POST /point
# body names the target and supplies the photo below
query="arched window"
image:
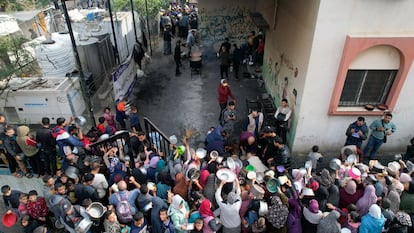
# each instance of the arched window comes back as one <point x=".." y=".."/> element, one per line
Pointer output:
<point x="370" y="77"/>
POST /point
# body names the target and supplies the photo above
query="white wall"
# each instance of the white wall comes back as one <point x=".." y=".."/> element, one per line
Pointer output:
<point x="336" y="19"/>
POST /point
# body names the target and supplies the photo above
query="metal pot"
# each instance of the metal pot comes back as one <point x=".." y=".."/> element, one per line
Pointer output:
<point x="96" y="210"/>
<point x="335" y="164"/>
<point x="72" y="172"/>
<point x="80" y="120"/>
<point x="84" y="226"/>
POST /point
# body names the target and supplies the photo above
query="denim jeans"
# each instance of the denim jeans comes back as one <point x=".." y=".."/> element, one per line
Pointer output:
<point x="373" y="143"/>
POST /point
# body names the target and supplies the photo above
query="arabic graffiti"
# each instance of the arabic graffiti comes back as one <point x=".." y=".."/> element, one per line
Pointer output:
<point x="233" y="22"/>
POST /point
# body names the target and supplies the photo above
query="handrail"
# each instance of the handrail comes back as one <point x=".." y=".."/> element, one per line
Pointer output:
<point x="156" y="136"/>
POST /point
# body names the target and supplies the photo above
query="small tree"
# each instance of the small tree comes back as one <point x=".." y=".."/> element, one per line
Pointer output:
<point x="14" y="59"/>
<point x="139" y="6"/>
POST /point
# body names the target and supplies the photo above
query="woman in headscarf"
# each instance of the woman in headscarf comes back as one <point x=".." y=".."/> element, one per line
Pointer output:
<point x="181" y="186"/>
<point x="349" y="193"/>
<point x="179" y="212"/>
<point x="278" y="212"/>
<point x="326" y="180"/>
<point x="329" y="224"/>
<point x="294" y="224"/>
<point x="203" y="177"/>
<point x="164" y="184"/>
<point x="394" y="196"/>
<point x="373" y="222"/>
<point x="210" y="225"/>
<point x="366" y="200"/>
<point x="311" y="216"/>
<point x="246" y="198"/>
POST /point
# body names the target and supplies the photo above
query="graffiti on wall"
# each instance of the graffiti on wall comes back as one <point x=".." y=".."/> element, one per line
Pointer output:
<point x="233" y="22"/>
<point x="281" y="72"/>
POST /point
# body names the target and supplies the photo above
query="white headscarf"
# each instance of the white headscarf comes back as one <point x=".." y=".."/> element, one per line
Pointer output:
<point x="375" y="211"/>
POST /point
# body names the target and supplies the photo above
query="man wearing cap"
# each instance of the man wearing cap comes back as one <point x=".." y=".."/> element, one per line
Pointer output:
<point x="380" y="130"/>
<point x="230" y="208"/>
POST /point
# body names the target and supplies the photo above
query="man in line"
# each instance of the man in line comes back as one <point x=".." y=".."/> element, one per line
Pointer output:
<point x="380" y="130"/>
<point x="356" y="132"/>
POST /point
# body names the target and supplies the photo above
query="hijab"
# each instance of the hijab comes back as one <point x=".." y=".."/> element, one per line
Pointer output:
<point x="329" y="224"/>
<point x="205" y="208"/>
<point x="181" y="186"/>
<point x="375" y="211"/>
<point x="203" y="177"/>
<point x="294" y="208"/>
<point x="177" y="200"/>
<point x="313" y="206"/>
<point x="366" y="200"/>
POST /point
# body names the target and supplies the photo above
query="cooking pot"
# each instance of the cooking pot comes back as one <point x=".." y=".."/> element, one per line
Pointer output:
<point x="83" y="226"/>
<point x="72" y="172"/>
<point x="193" y="174"/>
<point x="96" y="210"/>
<point x="80" y="120"/>
<point x="335" y="164"/>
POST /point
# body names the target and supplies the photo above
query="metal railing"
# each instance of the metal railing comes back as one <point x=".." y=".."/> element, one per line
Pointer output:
<point x="156" y="136"/>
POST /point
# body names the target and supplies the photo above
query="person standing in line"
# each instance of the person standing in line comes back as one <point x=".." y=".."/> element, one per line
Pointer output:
<point x="167" y="40"/>
<point x="356" y="132"/>
<point x="282" y="116"/>
<point x="224" y="93"/>
<point x="177" y="57"/>
<point x="47" y="147"/>
<point x="380" y="130"/>
<point x="224" y="56"/>
<point x="236" y="59"/>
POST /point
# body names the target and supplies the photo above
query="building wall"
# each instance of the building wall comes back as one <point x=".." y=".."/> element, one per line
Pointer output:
<point x="335" y="20"/>
<point x="221" y="19"/>
<point x="287" y="51"/>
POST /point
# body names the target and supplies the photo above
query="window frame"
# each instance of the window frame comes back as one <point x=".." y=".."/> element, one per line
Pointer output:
<point x="354" y="45"/>
<point x="364" y="76"/>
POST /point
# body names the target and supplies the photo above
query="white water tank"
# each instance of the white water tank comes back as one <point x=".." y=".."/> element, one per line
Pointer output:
<point x="56" y="59"/>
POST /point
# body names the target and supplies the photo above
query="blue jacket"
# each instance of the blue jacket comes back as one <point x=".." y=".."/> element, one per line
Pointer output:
<point x="369" y="224"/>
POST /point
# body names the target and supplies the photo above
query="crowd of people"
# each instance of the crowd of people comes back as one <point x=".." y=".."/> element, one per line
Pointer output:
<point x="116" y="180"/>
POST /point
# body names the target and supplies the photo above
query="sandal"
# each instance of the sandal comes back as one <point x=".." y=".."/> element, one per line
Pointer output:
<point x="17" y="174"/>
<point x="28" y="175"/>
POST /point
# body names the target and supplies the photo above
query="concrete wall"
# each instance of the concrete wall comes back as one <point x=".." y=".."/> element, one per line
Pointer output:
<point x="335" y="20"/>
<point x="221" y="19"/>
<point x="287" y="51"/>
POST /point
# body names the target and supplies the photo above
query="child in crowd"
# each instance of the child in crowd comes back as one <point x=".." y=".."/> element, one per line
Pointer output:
<point x="23" y="198"/>
<point x="36" y="207"/>
<point x="101" y="125"/>
<point x="167" y="224"/>
<point x="315" y="156"/>
<point x="198" y="226"/>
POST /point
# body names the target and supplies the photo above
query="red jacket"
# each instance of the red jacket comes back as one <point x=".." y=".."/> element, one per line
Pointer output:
<point x="224" y="93"/>
<point x="37" y="208"/>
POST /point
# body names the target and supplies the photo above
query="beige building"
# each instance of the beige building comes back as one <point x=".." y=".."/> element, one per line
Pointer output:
<point x="329" y="58"/>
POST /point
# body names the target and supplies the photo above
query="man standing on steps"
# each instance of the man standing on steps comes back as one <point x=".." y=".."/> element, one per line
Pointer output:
<point x="380" y="130"/>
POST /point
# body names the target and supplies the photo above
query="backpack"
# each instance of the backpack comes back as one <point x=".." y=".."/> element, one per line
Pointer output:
<point x="123" y="209"/>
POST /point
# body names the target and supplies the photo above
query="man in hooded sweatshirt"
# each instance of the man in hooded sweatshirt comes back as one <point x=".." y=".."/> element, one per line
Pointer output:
<point x="29" y="147"/>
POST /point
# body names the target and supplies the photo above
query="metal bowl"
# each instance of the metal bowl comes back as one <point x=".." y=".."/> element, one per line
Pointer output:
<point x="335" y="164"/>
<point x="72" y="172"/>
<point x="80" y="120"/>
<point x="96" y="210"/>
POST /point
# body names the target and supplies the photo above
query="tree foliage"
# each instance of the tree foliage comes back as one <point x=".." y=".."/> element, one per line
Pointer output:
<point x="14" y="59"/>
<point x="22" y="5"/>
<point x="139" y="6"/>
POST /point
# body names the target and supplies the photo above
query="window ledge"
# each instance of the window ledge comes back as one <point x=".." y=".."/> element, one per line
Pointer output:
<point x="356" y="111"/>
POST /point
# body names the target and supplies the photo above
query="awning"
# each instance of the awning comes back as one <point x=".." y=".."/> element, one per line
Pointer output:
<point x="25" y="15"/>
